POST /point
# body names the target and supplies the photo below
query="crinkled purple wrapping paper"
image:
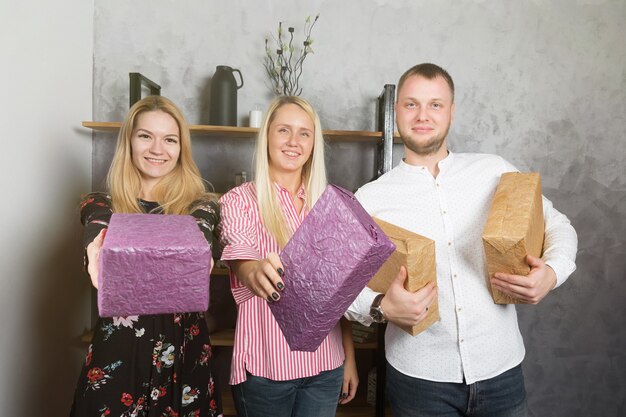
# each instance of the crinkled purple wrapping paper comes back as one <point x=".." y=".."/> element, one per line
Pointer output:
<point x="328" y="261"/>
<point x="153" y="264"/>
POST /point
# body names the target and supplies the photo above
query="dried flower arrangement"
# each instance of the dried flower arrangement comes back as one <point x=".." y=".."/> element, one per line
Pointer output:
<point x="284" y="64"/>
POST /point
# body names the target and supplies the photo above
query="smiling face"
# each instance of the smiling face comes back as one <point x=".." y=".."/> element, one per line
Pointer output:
<point x="155" y="147"/>
<point x="423" y="115"/>
<point x="291" y="136"/>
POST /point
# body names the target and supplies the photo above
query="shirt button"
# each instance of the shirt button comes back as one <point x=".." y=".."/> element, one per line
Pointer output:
<point x="458" y="309"/>
<point x="449" y="243"/>
<point x="462" y="340"/>
<point x="454" y="275"/>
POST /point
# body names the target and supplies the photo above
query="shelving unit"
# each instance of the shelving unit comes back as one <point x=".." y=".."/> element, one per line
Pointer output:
<point x="220" y="271"/>
<point x="384" y="139"/>
<point x="250" y="132"/>
<point x="226" y="337"/>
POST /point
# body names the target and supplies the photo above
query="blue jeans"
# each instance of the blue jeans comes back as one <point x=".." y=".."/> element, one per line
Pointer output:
<point x="315" y="396"/>
<point x="500" y="396"/>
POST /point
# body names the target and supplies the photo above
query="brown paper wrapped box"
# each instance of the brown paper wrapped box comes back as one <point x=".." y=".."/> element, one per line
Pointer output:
<point x="514" y="228"/>
<point x="417" y="254"/>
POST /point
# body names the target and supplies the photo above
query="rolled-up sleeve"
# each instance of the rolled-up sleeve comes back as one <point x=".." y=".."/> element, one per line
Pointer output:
<point x="360" y="307"/>
<point x="238" y="237"/>
<point x="207" y="217"/>
<point x="95" y="213"/>
<point x="560" y="242"/>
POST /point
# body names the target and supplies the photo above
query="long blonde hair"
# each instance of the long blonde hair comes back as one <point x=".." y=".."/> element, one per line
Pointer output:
<point x="313" y="171"/>
<point x="175" y="191"/>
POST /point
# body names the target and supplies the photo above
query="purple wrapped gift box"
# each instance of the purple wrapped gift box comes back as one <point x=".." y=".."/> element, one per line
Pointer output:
<point x="328" y="261"/>
<point x="153" y="264"/>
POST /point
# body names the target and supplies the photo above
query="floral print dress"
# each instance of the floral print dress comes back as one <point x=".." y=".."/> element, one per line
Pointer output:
<point x="152" y="365"/>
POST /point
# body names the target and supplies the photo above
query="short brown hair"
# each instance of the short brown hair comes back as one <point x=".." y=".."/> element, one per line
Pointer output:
<point x="428" y="71"/>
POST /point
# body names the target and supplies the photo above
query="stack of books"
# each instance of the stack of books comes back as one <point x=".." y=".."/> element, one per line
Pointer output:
<point x="363" y="334"/>
<point x="371" y="386"/>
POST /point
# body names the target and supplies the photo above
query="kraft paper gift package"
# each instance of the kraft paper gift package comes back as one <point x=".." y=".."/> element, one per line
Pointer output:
<point x="514" y="228"/>
<point x="328" y="261"/>
<point x="417" y="254"/>
<point x="153" y="264"/>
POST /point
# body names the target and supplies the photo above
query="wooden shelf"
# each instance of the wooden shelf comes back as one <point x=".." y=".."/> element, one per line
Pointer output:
<point x="369" y="345"/>
<point x="226" y="337"/>
<point x="223" y="337"/>
<point x="250" y="132"/>
<point x="219" y="338"/>
<point x="86" y="336"/>
<point x="220" y="272"/>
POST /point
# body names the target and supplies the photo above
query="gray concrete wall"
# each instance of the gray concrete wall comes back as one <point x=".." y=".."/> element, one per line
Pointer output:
<point x="540" y="82"/>
<point x="46" y="84"/>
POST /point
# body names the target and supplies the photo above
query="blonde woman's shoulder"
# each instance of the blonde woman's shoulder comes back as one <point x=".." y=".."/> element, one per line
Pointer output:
<point x="245" y="191"/>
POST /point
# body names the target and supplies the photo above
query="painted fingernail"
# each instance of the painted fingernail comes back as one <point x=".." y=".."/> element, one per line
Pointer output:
<point x="280" y="286"/>
<point x="275" y="296"/>
<point x="344" y="395"/>
<point x="269" y="299"/>
<point x="280" y="272"/>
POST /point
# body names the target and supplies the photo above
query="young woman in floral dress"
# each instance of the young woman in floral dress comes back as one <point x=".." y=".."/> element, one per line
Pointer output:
<point x="151" y="365"/>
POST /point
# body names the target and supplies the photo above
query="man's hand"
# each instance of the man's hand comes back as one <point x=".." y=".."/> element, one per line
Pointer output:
<point x="405" y="308"/>
<point x="263" y="278"/>
<point x="530" y="289"/>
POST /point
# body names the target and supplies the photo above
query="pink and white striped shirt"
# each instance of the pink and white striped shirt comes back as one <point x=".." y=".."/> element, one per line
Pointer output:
<point x="260" y="347"/>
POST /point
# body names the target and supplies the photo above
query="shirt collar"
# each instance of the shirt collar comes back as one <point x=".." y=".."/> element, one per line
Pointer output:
<point x="301" y="193"/>
<point x="444" y="165"/>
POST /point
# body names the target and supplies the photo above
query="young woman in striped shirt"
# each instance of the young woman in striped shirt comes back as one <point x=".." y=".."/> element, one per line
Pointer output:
<point x="258" y="218"/>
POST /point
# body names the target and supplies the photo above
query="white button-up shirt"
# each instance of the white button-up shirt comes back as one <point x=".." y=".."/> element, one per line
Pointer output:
<point x="475" y="338"/>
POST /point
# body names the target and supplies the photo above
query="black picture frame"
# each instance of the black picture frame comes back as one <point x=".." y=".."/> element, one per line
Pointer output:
<point x="137" y="81"/>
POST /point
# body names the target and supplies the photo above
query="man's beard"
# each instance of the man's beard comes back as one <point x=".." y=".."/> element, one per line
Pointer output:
<point x="431" y="147"/>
